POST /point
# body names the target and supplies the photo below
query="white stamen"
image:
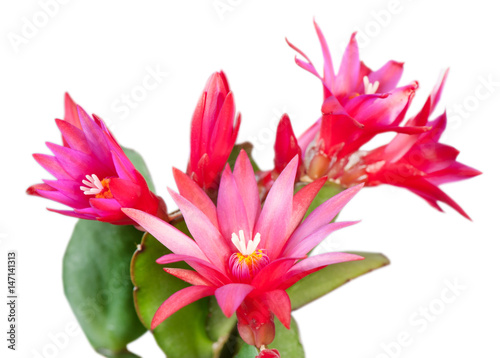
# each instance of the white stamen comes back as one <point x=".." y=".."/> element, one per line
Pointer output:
<point x="93" y="185"/>
<point x="242" y="246"/>
<point x="370" y="88"/>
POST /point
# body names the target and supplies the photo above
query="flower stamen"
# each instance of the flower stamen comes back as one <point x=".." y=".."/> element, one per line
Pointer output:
<point x="94" y="186"/>
<point x="370" y="88"/>
<point x="248" y="261"/>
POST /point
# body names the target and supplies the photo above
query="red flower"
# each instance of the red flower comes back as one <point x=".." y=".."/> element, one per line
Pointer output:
<point x="213" y="133"/>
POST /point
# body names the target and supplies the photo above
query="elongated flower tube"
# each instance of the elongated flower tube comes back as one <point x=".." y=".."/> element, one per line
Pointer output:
<point x="93" y="174"/>
<point x="213" y="133"/>
<point x="244" y="254"/>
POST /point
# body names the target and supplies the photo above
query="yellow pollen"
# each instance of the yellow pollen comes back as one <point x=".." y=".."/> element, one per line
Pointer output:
<point x="105" y="192"/>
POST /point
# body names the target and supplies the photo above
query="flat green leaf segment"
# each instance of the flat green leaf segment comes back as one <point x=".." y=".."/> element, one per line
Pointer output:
<point x="96" y="277"/>
<point x="328" y="279"/>
<point x="183" y="334"/>
<point x="287" y="342"/>
<point x="140" y="165"/>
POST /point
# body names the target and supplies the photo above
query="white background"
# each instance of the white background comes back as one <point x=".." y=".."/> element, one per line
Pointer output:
<point x="99" y="51"/>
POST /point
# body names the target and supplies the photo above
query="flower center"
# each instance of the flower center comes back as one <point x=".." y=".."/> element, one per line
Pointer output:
<point x="248" y="261"/>
<point x="94" y="186"/>
<point x="370" y="88"/>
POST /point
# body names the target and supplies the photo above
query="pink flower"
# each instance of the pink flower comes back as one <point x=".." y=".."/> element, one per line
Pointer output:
<point x="417" y="162"/>
<point x="358" y="105"/>
<point x="93" y="174"/>
<point x="213" y="133"/>
<point x="244" y="254"/>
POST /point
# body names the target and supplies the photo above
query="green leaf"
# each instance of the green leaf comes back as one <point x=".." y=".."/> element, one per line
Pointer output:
<point x="140" y="165"/>
<point x="247" y="351"/>
<point x="96" y="277"/>
<point x="328" y="190"/>
<point x="247" y="147"/>
<point x="218" y="326"/>
<point x="286" y="341"/>
<point x="331" y="277"/>
<point x="183" y="334"/>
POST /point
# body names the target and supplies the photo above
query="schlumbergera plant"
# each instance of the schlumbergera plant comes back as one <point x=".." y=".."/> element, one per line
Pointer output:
<point x="220" y="276"/>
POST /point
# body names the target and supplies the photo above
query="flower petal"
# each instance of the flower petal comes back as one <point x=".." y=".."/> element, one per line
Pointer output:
<point x="206" y="235"/>
<point x="179" y="300"/>
<point x="279" y="303"/>
<point x="322" y="215"/>
<point x="172" y="238"/>
<point x="192" y="192"/>
<point x="244" y="177"/>
<point x="231" y="296"/>
<point x="277" y="211"/>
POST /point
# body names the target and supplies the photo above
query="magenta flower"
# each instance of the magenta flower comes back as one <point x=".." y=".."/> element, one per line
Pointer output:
<point x="213" y="133"/>
<point x="417" y="162"/>
<point x="245" y="255"/>
<point x="358" y="105"/>
<point x="93" y="174"/>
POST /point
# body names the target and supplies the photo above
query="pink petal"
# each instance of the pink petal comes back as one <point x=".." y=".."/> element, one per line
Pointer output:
<point x="189" y="276"/>
<point x="277" y="211"/>
<point x="272" y="275"/>
<point x="77" y="164"/>
<point x="301" y="202"/>
<point x="179" y="300"/>
<point x="231" y="210"/>
<point x="204" y="233"/>
<point x="313" y="263"/>
<point x="203" y="267"/>
<point x="310" y="242"/>
<point x="192" y="192"/>
<point x="95" y="138"/>
<point x="50" y="164"/>
<point x="388" y="76"/>
<point x="329" y="74"/>
<point x="125" y="192"/>
<point x="348" y="75"/>
<point x="172" y="238"/>
<point x="73" y="214"/>
<point x="244" y="178"/>
<point x="71" y="112"/>
<point x="73" y="136"/>
<point x="231" y="296"/>
<point x="322" y="215"/>
<point x="279" y="303"/>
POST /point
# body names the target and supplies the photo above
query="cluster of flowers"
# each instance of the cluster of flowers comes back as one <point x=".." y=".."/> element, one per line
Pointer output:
<point x="250" y="237"/>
